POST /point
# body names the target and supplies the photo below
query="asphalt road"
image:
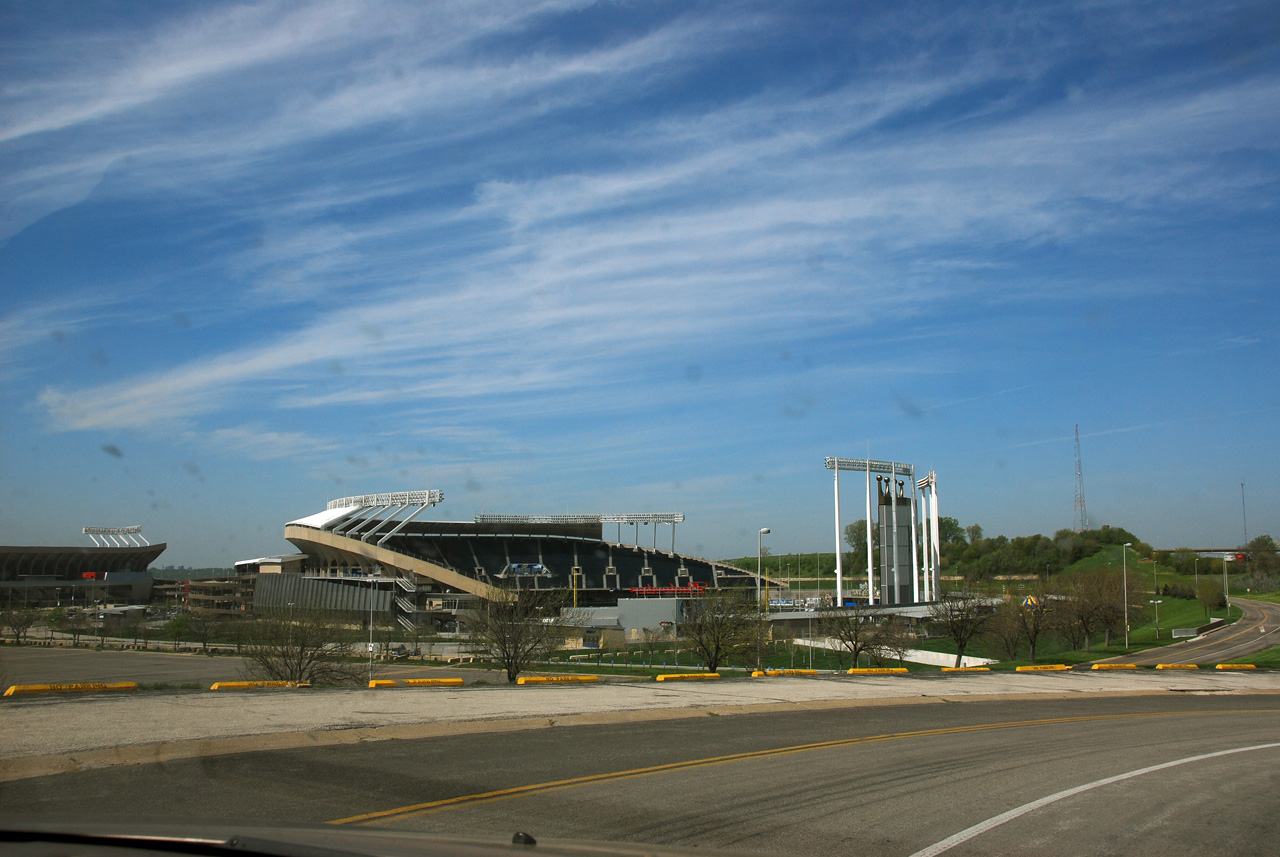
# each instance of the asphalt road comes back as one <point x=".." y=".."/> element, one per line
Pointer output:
<point x="1258" y="629"/>
<point x="888" y="780"/>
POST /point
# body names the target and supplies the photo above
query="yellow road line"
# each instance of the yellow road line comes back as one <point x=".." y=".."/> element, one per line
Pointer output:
<point x="573" y="782"/>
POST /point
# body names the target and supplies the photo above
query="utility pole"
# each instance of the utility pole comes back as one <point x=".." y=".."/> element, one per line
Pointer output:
<point x="1082" y="517"/>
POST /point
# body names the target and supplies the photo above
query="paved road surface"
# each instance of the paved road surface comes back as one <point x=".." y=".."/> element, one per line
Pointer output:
<point x="887" y="780"/>
<point x="1257" y="630"/>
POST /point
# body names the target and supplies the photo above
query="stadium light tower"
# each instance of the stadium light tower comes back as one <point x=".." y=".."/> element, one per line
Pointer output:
<point x="759" y="556"/>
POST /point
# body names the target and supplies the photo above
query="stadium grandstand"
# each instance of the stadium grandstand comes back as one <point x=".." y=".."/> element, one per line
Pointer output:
<point x="114" y="570"/>
<point x="374" y="552"/>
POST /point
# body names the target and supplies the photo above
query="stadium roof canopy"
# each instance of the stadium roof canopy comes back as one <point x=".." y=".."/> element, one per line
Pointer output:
<point x="73" y="563"/>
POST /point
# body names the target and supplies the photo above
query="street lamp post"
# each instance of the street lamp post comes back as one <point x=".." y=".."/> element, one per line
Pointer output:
<point x="1155" y="581"/>
<point x="759" y="562"/>
<point x="1195" y="566"/>
<point x="1124" y="555"/>
<point x="372" y="579"/>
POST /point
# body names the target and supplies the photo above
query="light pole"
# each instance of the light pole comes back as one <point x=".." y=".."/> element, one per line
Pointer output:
<point x="759" y="562"/>
<point x="1226" y="592"/>
<point x="1155" y="581"/>
<point x="372" y="579"/>
<point x="1124" y="558"/>
<point x="1195" y="566"/>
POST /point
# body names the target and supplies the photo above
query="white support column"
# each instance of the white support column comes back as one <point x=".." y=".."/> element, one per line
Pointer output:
<point x="926" y="512"/>
<point x="839" y="566"/>
<point x="921" y="514"/>
<point x="404" y="523"/>
<point x="893" y="505"/>
<point x="915" y="544"/>
<point x="937" y="542"/>
<point x="871" y="569"/>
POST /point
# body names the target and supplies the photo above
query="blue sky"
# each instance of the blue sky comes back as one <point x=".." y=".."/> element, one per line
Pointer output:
<point x="613" y="257"/>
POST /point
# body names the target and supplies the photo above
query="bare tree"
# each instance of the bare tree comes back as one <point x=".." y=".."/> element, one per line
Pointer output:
<point x="961" y="616"/>
<point x="724" y="623"/>
<point x="521" y="631"/>
<point x="76" y="624"/>
<point x="895" y="639"/>
<point x="650" y="640"/>
<point x="1005" y="630"/>
<point x="19" y="622"/>
<point x="855" y="630"/>
<point x="302" y="646"/>
<point x="204" y="627"/>
<point x="1094" y="602"/>
<point x="1034" y="615"/>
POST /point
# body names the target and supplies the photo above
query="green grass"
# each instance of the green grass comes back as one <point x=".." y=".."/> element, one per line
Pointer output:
<point x="1270" y="659"/>
<point x="1269" y="597"/>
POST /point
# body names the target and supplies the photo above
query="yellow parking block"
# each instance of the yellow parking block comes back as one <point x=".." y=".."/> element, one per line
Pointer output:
<point x="1177" y="666"/>
<point x="76" y="687"/>
<point x="684" y="676"/>
<point x="1042" y="668"/>
<point x="790" y="672"/>
<point x="966" y="669"/>
<point x="877" y="671"/>
<point x="1114" y="667"/>
<point x="558" y="679"/>
<point x="382" y="682"/>
<point x="1236" y="667"/>
<point x="247" y="685"/>
<point x="433" y="682"/>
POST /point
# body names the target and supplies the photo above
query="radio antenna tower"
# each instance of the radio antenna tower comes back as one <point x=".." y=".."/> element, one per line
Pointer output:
<point x="1082" y="517"/>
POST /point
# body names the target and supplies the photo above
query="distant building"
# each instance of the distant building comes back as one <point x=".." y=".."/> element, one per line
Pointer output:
<point x="372" y="553"/>
<point x="113" y="572"/>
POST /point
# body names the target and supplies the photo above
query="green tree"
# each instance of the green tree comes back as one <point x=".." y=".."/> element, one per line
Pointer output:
<point x="949" y="531"/>
<point x="1209" y="593"/>
<point x="855" y="536"/>
<point x="177" y="627"/>
<point x="55" y="619"/>
<point x="974" y="532"/>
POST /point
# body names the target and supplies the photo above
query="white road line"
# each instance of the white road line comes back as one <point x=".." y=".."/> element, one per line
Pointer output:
<point x="997" y="820"/>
